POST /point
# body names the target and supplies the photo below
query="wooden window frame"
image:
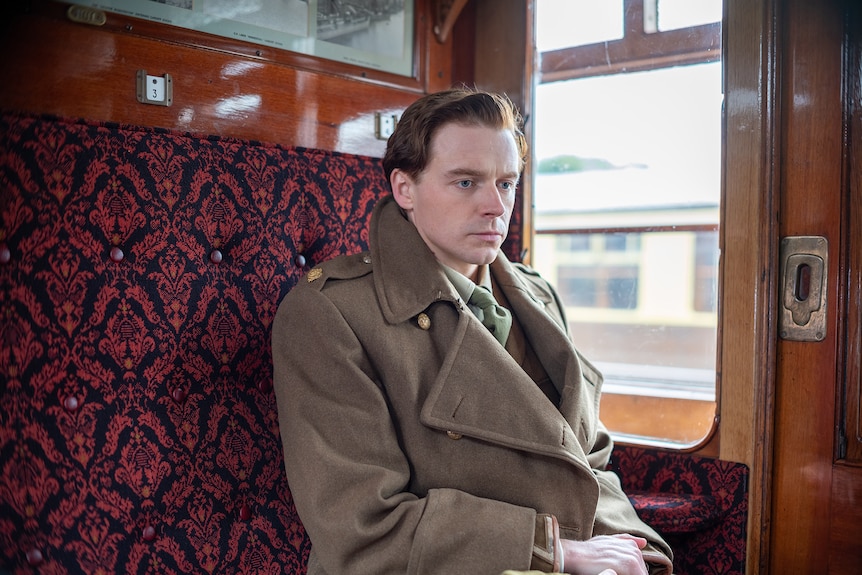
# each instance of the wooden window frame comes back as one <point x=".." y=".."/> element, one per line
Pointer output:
<point x="636" y="51"/>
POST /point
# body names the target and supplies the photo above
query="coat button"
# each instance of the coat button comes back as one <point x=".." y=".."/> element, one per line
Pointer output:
<point x="424" y="321"/>
<point x="454" y="435"/>
<point x="366" y="259"/>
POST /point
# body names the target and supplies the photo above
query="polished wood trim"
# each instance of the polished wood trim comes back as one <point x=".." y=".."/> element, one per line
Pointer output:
<point x="634" y="53"/>
<point x="850" y="399"/>
<point x="845" y="552"/>
<point x="217" y="91"/>
<point x="811" y="184"/>
<point x="687" y="423"/>
<point x="749" y="247"/>
<point x="637" y="50"/>
<point x="633" y="229"/>
<point x="445" y="14"/>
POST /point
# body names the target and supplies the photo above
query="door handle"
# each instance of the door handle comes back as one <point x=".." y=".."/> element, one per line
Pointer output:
<point x="804" y="262"/>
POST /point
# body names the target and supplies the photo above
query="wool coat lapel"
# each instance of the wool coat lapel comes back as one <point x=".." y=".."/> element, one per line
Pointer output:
<point x="579" y="404"/>
<point x="479" y="390"/>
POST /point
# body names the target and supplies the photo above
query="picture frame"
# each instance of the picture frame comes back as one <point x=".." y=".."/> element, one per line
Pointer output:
<point x="374" y="34"/>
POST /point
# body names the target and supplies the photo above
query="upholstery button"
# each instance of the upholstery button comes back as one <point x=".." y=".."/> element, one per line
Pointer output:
<point x="245" y="512"/>
<point x="454" y="435"/>
<point x="5" y="254"/>
<point x="299" y="260"/>
<point x="34" y="557"/>
<point x="149" y="533"/>
<point x="117" y="254"/>
<point x="179" y="394"/>
<point x="71" y="403"/>
<point x="215" y="256"/>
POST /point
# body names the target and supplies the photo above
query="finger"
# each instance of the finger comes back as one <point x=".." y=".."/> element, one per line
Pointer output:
<point x="639" y="541"/>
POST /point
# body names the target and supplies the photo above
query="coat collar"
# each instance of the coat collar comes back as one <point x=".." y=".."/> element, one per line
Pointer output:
<point x="466" y="395"/>
<point x="407" y="277"/>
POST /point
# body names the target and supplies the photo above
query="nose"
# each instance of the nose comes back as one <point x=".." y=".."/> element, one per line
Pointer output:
<point x="491" y="201"/>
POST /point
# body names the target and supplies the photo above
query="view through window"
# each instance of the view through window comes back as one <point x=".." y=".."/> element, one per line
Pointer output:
<point x="627" y="157"/>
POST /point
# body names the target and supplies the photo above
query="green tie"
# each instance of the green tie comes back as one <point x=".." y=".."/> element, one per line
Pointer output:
<point x="495" y="317"/>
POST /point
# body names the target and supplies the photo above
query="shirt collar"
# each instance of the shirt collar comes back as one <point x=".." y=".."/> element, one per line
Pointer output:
<point x="464" y="285"/>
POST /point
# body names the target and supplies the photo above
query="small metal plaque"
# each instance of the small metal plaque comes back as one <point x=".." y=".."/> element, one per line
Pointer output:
<point x="802" y="302"/>
<point x="86" y="15"/>
<point x="155" y="89"/>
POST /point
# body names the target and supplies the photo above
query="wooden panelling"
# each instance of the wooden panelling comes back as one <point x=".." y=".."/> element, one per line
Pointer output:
<point x="748" y="241"/>
<point x="682" y="421"/>
<point x="845" y="552"/>
<point x="811" y="183"/>
<point x="52" y="65"/>
<point x="852" y="393"/>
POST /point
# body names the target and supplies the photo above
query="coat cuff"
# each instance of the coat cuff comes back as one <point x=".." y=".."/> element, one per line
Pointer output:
<point x="547" y="546"/>
<point x="656" y="561"/>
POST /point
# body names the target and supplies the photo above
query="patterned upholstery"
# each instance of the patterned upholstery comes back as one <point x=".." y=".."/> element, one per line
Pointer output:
<point x="140" y="270"/>
<point x="699" y="505"/>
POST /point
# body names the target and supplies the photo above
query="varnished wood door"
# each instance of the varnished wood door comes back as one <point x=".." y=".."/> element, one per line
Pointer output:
<point x="816" y="496"/>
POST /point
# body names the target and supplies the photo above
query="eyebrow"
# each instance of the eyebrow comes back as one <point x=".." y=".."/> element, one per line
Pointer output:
<point x="468" y="172"/>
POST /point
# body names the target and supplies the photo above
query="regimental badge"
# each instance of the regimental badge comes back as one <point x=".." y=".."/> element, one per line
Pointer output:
<point x="314" y="274"/>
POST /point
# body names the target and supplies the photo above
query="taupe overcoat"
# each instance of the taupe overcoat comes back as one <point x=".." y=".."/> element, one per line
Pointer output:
<point x="413" y="442"/>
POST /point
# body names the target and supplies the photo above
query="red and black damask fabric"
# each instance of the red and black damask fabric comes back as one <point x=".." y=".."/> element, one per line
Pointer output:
<point x="140" y="270"/>
<point x="699" y="505"/>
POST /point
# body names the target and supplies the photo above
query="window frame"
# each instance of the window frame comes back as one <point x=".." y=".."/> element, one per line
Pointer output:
<point x="639" y="49"/>
<point x="643" y="47"/>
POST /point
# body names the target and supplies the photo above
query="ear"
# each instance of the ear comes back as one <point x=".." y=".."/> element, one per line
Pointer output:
<point x="402" y="189"/>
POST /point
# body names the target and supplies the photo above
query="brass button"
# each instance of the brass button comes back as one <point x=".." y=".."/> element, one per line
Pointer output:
<point x="424" y="321"/>
<point x="454" y="435"/>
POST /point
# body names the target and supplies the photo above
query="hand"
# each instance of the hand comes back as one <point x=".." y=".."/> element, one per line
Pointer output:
<point x="605" y="555"/>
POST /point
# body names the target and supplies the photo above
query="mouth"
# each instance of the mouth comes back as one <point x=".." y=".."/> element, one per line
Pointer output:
<point x="488" y="236"/>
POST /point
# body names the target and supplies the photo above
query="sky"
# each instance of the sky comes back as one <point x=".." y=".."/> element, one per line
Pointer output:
<point x="662" y="128"/>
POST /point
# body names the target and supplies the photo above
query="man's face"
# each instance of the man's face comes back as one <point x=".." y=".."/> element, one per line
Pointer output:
<point x="461" y="203"/>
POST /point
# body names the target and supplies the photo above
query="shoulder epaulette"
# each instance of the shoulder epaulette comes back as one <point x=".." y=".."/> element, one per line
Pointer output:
<point x="339" y="268"/>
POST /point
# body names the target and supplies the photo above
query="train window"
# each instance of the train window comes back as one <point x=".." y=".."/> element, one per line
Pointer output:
<point x="587" y="21"/>
<point x="627" y="148"/>
<point x="675" y="14"/>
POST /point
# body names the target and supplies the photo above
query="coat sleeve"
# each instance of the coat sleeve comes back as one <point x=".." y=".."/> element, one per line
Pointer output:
<point x="615" y="513"/>
<point x="349" y="476"/>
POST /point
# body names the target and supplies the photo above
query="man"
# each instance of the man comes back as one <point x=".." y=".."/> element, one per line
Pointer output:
<point x="415" y="439"/>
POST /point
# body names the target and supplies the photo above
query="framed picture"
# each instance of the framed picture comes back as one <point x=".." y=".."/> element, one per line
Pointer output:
<point x="375" y="34"/>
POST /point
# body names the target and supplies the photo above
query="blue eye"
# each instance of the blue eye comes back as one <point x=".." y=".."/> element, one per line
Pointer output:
<point x="465" y="184"/>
